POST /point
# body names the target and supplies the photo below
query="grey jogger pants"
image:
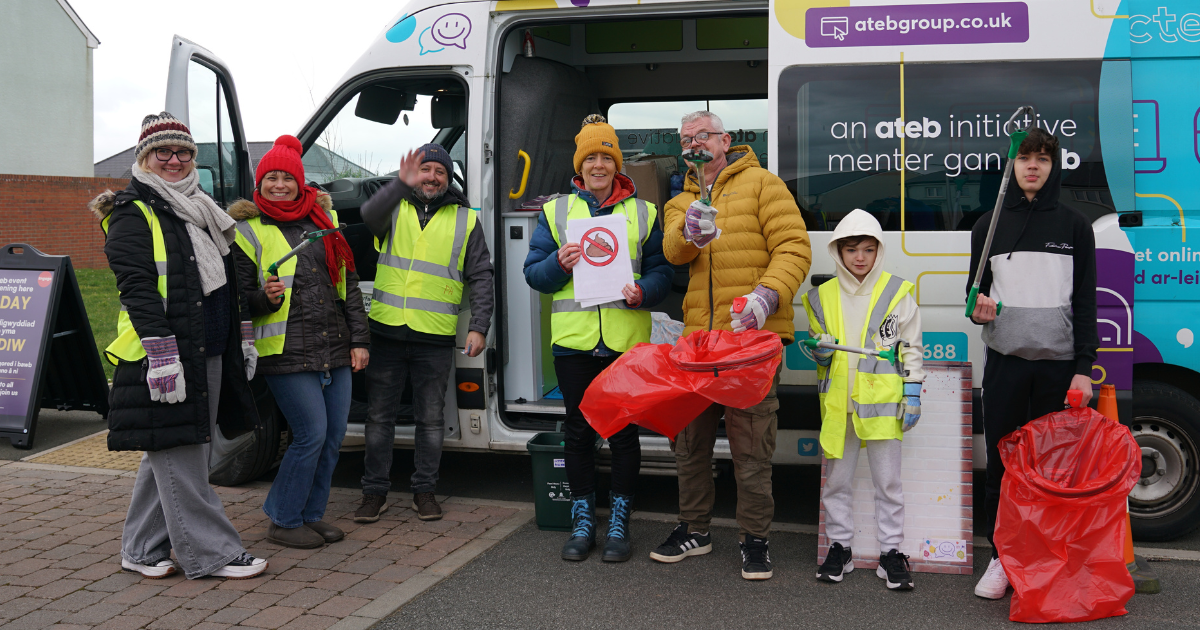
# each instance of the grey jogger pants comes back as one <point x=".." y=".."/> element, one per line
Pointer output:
<point x="838" y="493"/>
<point x="174" y="507"/>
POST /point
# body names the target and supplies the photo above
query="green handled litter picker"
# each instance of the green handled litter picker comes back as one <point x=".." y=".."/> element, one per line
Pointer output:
<point x="891" y="355"/>
<point x="699" y="158"/>
<point x="1015" y="140"/>
<point x="309" y="239"/>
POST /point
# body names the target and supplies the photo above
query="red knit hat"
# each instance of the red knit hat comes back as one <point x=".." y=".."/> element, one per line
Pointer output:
<point x="284" y="156"/>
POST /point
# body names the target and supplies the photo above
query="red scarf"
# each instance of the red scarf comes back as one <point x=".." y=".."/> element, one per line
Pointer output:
<point x="337" y="250"/>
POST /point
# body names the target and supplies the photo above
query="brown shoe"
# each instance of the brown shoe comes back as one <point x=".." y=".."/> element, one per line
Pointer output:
<point x="372" y="506"/>
<point x="330" y="533"/>
<point x="294" y="537"/>
<point x="426" y="506"/>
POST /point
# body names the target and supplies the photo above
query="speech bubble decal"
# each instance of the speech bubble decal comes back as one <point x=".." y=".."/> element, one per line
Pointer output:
<point x="452" y="29"/>
<point x="402" y="29"/>
<point x="1185" y="337"/>
<point x="427" y="43"/>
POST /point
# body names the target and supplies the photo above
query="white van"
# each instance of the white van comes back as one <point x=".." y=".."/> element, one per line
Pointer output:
<point x="894" y="109"/>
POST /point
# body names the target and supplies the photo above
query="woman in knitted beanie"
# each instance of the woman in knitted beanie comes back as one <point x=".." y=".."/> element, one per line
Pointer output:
<point x="182" y="352"/>
<point x="311" y="331"/>
<point x="587" y="340"/>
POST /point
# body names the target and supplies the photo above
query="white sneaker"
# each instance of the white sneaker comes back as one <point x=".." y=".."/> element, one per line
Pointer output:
<point x="161" y="569"/>
<point x="242" y="567"/>
<point x="994" y="583"/>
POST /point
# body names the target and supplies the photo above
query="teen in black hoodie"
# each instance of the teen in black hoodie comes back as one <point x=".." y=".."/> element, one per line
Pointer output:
<point x="1042" y="269"/>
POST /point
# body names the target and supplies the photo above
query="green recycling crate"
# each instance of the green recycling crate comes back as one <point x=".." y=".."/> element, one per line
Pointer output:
<point x="551" y="492"/>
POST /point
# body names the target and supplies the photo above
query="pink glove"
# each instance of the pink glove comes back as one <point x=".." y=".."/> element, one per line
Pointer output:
<point x="760" y="304"/>
<point x="165" y="376"/>
<point x="699" y="224"/>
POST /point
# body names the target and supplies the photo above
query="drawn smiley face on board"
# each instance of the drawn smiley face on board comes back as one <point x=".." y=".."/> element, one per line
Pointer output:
<point x="452" y="29"/>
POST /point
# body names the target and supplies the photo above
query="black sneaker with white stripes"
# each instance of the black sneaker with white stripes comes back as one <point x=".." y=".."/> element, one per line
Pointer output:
<point x="838" y="562"/>
<point x="756" y="559"/>
<point x="893" y="567"/>
<point x="680" y="544"/>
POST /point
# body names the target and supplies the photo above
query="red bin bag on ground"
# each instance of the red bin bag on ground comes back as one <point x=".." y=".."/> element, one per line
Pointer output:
<point x="1060" y="530"/>
<point x="663" y="387"/>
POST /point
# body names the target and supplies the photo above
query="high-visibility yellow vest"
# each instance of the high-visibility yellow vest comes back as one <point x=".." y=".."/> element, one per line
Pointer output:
<point x="128" y="345"/>
<point x="578" y="328"/>
<point x="878" y="386"/>
<point x="265" y="244"/>
<point x="419" y="276"/>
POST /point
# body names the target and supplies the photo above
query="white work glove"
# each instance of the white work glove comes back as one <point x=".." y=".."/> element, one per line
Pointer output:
<point x="699" y="224"/>
<point x="249" y="352"/>
<point x="165" y="376"/>
<point x="824" y="356"/>
<point x="910" y="406"/>
<point x="759" y="304"/>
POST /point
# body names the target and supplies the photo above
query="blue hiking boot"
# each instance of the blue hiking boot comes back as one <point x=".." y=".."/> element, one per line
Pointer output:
<point x="583" y="528"/>
<point x="617" y="549"/>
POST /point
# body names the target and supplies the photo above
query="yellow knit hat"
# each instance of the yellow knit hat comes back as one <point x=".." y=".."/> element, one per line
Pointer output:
<point x="597" y="136"/>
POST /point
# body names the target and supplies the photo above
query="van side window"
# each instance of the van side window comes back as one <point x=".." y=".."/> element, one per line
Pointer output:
<point x="841" y="134"/>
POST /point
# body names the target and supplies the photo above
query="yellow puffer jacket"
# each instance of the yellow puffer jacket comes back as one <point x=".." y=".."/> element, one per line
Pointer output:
<point x="763" y="241"/>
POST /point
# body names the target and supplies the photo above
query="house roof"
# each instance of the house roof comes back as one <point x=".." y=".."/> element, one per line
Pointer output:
<point x="92" y="41"/>
<point x="320" y="164"/>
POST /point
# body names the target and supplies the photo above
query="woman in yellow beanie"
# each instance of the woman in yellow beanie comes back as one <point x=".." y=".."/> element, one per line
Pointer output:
<point x="588" y="340"/>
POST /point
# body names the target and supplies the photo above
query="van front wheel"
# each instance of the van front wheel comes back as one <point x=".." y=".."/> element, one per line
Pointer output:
<point x="262" y="452"/>
<point x="1165" y="503"/>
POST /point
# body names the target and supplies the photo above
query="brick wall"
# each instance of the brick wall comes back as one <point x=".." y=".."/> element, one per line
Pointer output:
<point x="51" y="214"/>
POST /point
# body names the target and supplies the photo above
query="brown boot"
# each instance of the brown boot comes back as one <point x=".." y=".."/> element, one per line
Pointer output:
<point x="330" y="533"/>
<point x="295" y="537"/>
<point x="426" y="506"/>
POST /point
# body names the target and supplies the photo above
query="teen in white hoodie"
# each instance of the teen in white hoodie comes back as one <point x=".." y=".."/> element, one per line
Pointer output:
<point x="873" y="309"/>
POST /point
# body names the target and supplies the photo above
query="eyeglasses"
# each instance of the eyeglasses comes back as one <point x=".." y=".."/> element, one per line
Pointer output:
<point x="184" y="155"/>
<point x="703" y="136"/>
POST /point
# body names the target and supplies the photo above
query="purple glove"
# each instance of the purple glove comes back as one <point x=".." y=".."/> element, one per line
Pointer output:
<point x="760" y="304"/>
<point x="699" y="224"/>
<point x="165" y="376"/>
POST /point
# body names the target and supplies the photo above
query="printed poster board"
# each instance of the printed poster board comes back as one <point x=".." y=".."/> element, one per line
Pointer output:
<point x="48" y="356"/>
<point x="936" y="472"/>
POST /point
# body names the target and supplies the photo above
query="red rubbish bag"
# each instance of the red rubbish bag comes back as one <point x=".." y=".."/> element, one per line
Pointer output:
<point x="1060" y="530"/>
<point x="663" y="387"/>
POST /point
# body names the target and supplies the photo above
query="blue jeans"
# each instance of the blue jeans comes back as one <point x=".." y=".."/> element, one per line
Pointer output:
<point x="316" y="411"/>
<point x="428" y="367"/>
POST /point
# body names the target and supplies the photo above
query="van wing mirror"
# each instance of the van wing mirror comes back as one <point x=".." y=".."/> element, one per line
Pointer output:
<point x="448" y="111"/>
<point x="382" y="104"/>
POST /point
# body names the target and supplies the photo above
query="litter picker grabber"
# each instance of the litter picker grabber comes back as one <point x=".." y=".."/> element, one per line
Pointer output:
<point x="699" y="158"/>
<point x="1015" y="140"/>
<point x="309" y="239"/>
<point x="891" y="355"/>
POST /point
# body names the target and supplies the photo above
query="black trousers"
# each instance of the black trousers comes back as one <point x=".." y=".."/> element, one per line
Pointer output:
<point x="575" y="372"/>
<point x="1015" y="391"/>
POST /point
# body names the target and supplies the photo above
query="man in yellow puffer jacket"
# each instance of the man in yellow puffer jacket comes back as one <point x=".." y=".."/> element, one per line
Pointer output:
<point x="751" y="242"/>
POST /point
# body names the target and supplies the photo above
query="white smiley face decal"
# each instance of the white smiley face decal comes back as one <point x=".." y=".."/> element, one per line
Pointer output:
<point x="452" y="29"/>
<point x="449" y="29"/>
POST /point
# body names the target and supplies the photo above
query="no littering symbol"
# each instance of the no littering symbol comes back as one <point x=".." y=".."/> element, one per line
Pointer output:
<point x="597" y="250"/>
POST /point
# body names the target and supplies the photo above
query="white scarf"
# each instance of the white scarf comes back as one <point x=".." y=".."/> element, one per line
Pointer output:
<point x="210" y="228"/>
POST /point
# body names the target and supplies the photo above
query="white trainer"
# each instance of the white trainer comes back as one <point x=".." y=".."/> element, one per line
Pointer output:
<point x="160" y="569"/>
<point x="242" y="567"/>
<point x="994" y="583"/>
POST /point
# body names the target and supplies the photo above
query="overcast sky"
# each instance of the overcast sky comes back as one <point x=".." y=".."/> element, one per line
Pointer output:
<point x="284" y="55"/>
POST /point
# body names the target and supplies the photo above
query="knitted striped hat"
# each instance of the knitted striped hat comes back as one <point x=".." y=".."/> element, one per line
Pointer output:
<point x="162" y="130"/>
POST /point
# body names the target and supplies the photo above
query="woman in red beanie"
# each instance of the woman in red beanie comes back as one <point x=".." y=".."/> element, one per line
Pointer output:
<point x="310" y="330"/>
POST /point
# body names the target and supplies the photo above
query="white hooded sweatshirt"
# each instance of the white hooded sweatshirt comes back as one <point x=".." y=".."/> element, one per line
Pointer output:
<point x="856" y="300"/>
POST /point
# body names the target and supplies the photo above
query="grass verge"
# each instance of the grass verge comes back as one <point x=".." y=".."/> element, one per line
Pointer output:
<point x="100" y="298"/>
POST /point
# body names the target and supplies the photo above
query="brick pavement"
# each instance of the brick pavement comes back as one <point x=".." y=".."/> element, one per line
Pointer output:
<point x="60" y="539"/>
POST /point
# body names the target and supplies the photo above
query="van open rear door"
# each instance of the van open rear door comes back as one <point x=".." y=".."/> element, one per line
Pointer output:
<point x="200" y="93"/>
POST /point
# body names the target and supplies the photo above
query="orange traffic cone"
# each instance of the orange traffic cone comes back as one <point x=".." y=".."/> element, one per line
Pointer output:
<point x="1144" y="580"/>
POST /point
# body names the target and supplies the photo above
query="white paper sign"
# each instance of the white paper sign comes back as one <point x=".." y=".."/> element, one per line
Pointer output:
<point x="604" y="266"/>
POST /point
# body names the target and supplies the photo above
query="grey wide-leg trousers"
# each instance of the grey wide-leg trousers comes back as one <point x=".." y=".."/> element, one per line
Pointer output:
<point x="174" y="507"/>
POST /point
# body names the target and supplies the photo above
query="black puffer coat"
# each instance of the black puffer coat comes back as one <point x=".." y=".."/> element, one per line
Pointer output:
<point x="135" y="422"/>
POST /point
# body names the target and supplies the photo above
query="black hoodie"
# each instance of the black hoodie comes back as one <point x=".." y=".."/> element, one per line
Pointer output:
<point x="1042" y="269"/>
